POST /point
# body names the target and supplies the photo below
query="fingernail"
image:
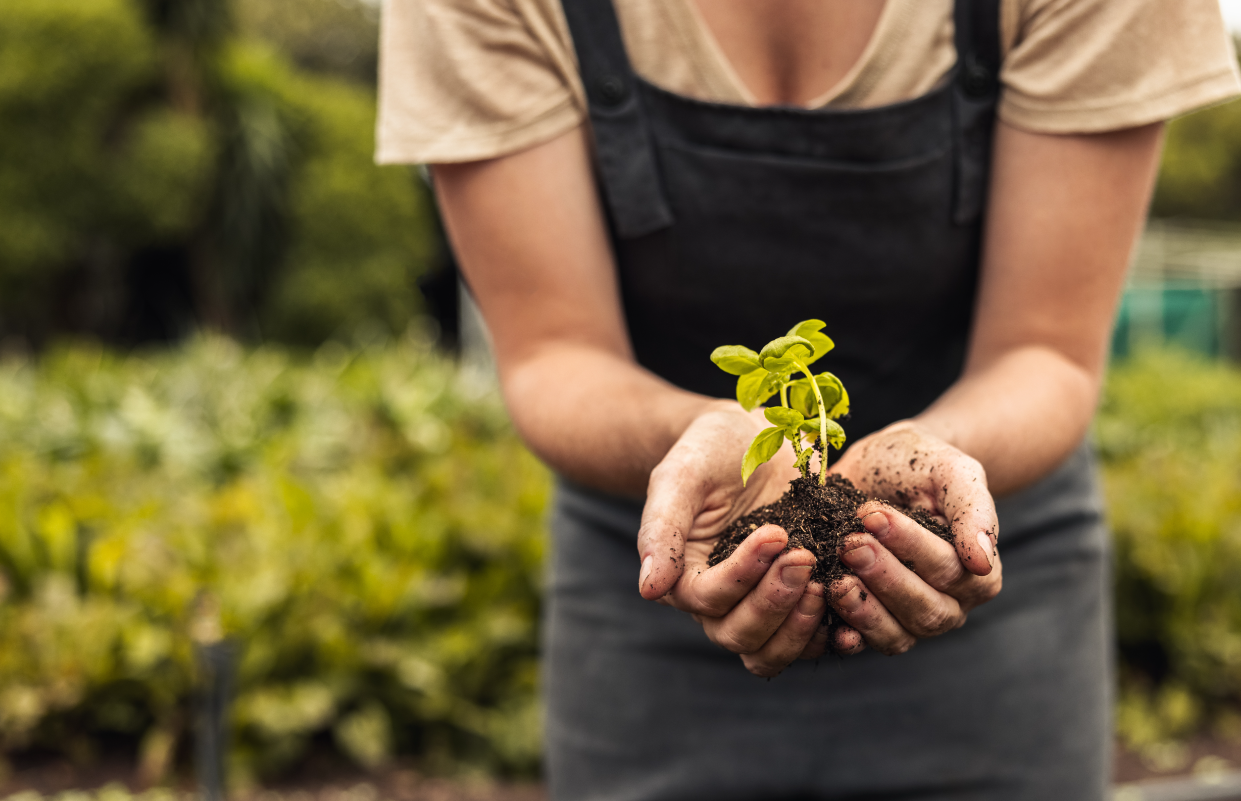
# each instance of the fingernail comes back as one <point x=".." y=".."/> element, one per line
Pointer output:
<point x="984" y="542"/>
<point x="876" y="523"/>
<point x="770" y="550"/>
<point x="810" y="604"/>
<point x="795" y="576"/>
<point x="645" y="574"/>
<point x="851" y="601"/>
<point x="859" y="558"/>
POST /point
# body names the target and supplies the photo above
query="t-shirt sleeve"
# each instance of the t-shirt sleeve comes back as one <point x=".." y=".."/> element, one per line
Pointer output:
<point x="462" y="80"/>
<point x="1082" y="66"/>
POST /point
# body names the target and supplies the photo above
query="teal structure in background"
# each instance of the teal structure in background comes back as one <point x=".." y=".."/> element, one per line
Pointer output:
<point x="1184" y="290"/>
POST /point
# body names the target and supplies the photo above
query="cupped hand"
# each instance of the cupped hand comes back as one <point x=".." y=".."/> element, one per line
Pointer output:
<point x="760" y="602"/>
<point x="909" y="584"/>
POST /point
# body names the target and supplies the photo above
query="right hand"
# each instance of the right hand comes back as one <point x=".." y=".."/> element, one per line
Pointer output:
<point x="760" y="602"/>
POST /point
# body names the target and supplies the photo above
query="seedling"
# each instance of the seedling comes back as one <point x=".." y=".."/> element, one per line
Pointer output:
<point x="809" y="406"/>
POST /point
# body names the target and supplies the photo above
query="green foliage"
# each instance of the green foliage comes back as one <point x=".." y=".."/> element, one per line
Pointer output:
<point x="761" y="375"/>
<point x="117" y="792"/>
<point x="1200" y="176"/>
<point x="66" y="68"/>
<point x="337" y="37"/>
<point x="1169" y="434"/>
<point x="360" y="234"/>
<point x="363" y="524"/>
<point x="132" y="125"/>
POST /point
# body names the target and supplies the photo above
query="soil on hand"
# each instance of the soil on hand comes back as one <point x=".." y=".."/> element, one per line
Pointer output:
<point x="817" y="518"/>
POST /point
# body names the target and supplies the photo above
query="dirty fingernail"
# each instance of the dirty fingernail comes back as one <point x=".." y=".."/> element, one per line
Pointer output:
<point x="810" y="604"/>
<point x="770" y="550"/>
<point x="859" y="558"/>
<point x="645" y="574"/>
<point x="984" y="542"/>
<point x="876" y="523"/>
<point x="851" y="601"/>
<point x="795" y="576"/>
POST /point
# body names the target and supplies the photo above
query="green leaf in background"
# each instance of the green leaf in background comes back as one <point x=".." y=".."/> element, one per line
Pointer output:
<point x="365" y="524"/>
<point x="754" y="388"/>
<point x="802" y="398"/>
<point x="764" y="446"/>
<point x="835" y="396"/>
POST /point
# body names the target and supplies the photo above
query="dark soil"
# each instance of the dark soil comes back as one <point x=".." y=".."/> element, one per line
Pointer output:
<point x="817" y="518"/>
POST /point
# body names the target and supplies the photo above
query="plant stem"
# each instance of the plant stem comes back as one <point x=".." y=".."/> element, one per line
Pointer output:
<point x="822" y="421"/>
<point x="804" y="467"/>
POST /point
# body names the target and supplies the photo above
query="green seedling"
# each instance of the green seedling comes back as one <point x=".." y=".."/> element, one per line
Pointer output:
<point x="809" y="406"/>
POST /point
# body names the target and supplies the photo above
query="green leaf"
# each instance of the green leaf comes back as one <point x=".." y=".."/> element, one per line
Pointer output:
<point x="735" y="359"/>
<point x="807" y="327"/>
<point x="802" y="399"/>
<point x="764" y="446"/>
<point x="784" y="366"/>
<point x="781" y="345"/>
<point x="833" y="392"/>
<point x="810" y="330"/>
<point x="835" y="396"/>
<point x="780" y="416"/>
<point x="835" y="434"/>
<point x="755" y="387"/>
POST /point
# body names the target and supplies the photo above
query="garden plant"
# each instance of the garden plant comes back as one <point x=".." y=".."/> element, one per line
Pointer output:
<point x="815" y="512"/>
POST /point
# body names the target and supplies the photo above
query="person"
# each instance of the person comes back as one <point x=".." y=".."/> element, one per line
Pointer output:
<point x="955" y="189"/>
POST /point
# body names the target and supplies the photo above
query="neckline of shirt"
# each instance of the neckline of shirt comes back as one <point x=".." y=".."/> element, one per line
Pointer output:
<point x="713" y="64"/>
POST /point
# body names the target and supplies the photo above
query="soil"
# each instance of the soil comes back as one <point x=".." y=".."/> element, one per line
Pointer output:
<point x="817" y="518"/>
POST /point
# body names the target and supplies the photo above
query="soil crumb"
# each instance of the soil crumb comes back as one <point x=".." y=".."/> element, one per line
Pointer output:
<point x="817" y="518"/>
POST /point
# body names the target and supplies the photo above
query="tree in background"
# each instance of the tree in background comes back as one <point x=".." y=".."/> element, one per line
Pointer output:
<point x="332" y="37"/>
<point x="161" y="172"/>
<point x="1200" y="177"/>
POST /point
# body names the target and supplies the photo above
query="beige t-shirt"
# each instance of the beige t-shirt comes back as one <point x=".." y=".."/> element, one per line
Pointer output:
<point x="472" y="79"/>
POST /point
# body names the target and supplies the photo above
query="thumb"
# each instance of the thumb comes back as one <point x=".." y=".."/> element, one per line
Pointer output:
<point x="671" y="504"/>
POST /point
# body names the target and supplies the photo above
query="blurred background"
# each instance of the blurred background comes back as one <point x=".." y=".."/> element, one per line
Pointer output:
<point x="263" y="517"/>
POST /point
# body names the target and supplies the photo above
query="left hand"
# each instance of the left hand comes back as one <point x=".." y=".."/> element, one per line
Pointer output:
<point x="909" y="584"/>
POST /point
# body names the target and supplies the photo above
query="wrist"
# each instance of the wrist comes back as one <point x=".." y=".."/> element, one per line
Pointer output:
<point x="928" y="425"/>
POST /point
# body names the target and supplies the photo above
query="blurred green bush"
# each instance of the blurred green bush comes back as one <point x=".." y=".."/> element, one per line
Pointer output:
<point x="1169" y="434"/>
<point x="1200" y="175"/>
<point x="363" y="524"/>
<point x="135" y="131"/>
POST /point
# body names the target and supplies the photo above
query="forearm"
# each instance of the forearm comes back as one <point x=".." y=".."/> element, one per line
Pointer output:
<point x="596" y="417"/>
<point x="1020" y="415"/>
<point x="1064" y="214"/>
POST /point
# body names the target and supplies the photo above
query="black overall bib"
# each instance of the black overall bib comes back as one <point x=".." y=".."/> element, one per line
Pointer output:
<point x="729" y="224"/>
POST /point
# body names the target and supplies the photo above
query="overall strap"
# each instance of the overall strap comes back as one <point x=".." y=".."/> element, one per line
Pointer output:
<point x="977" y="38"/>
<point x="624" y="154"/>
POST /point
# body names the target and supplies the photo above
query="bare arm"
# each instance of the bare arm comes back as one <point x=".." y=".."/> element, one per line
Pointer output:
<point x="1065" y="213"/>
<point x="529" y="233"/>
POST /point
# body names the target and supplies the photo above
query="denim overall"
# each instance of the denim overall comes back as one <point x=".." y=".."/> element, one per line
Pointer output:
<point x="728" y="225"/>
